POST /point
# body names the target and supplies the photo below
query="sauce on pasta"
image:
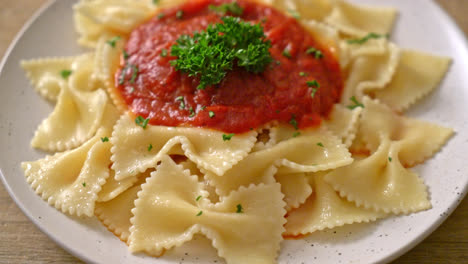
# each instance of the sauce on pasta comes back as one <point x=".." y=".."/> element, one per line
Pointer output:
<point x="298" y="87"/>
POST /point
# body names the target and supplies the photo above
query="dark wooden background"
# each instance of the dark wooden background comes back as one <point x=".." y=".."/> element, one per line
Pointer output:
<point x="22" y="242"/>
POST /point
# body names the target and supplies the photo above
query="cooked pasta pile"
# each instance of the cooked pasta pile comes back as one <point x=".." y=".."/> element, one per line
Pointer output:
<point x="155" y="187"/>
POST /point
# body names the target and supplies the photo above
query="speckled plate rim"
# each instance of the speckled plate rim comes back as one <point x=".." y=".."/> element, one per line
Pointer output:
<point x="443" y="16"/>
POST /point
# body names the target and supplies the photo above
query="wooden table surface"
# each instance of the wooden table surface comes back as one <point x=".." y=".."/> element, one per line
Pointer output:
<point x="22" y="242"/>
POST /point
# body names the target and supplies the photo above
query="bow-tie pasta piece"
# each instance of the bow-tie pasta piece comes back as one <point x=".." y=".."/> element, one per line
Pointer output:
<point x="325" y="209"/>
<point x="358" y="21"/>
<point x="371" y="71"/>
<point x="417" y="75"/>
<point x="115" y="213"/>
<point x="168" y="213"/>
<point x="380" y="182"/>
<point x="207" y="148"/>
<point x="295" y="187"/>
<point x="114" y="15"/>
<point x="418" y="140"/>
<point x="313" y="150"/>
<point x="344" y="123"/>
<point x="71" y="180"/>
<point x="76" y="118"/>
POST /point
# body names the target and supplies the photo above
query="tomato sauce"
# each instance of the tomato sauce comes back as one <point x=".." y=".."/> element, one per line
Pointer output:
<point x="243" y="100"/>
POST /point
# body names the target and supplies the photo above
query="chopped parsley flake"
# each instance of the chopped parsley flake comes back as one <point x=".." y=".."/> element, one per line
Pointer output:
<point x="211" y="53"/>
<point x="200" y="213"/>
<point x="314" y="91"/>
<point x="228" y="136"/>
<point x="211" y="114"/>
<point x="203" y="107"/>
<point x="140" y="121"/>
<point x="287" y="53"/>
<point x="134" y="71"/>
<point x="313" y="51"/>
<point x="163" y="52"/>
<point x="366" y="38"/>
<point x="355" y="104"/>
<point x="66" y="73"/>
<point x="150" y="147"/>
<point x="161" y="15"/>
<point x="294" y="13"/>
<point x="155" y="2"/>
<point x="125" y="54"/>
<point x="320" y="144"/>
<point x="182" y="102"/>
<point x="179" y="14"/>
<point x="239" y="209"/>
<point x="293" y="122"/>
<point x="192" y="113"/>
<point x="232" y="8"/>
<point x="390" y="159"/>
<point x="313" y="83"/>
<point x="296" y="134"/>
<point x="84" y="184"/>
<point x="198" y="198"/>
<point x="113" y="41"/>
<point x="105" y="139"/>
<point x="302" y="74"/>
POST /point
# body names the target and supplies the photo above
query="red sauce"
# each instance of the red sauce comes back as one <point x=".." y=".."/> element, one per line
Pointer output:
<point x="243" y="100"/>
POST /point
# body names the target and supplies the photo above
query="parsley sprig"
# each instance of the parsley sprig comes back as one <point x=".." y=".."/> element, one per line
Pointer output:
<point x="210" y="54"/>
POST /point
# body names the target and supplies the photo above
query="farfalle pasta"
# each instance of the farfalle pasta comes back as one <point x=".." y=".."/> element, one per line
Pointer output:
<point x="160" y="165"/>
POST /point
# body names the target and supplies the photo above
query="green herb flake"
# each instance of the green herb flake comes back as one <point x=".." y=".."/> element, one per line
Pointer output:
<point x="125" y="54"/>
<point x="105" y="139"/>
<point x="182" y="102"/>
<point x="163" y="52"/>
<point x="150" y="147"/>
<point x="355" y="104"/>
<point x="240" y="210"/>
<point x="320" y="144"/>
<point x="134" y="72"/>
<point x="198" y="198"/>
<point x="302" y="74"/>
<point x="228" y="136"/>
<point x="293" y="122"/>
<point x="155" y="2"/>
<point x="113" y="41"/>
<point x="232" y="8"/>
<point x="315" y="52"/>
<point x="200" y="213"/>
<point x="179" y="14"/>
<point x="192" y="112"/>
<point x="313" y="83"/>
<point x="211" y="114"/>
<point x="286" y="53"/>
<point x="203" y="108"/>
<point x="161" y="15"/>
<point x="66" y="73"/>
<point x="390" y="159"/>
<point x="367" y="37"/>
<point x="296" y="134"/>
<point x="294" y="13"/>
<point x="140" y="121"/>
<point x="211" y="53"/>
<point x="314" y="91"/>
<point x="84" y="184"/>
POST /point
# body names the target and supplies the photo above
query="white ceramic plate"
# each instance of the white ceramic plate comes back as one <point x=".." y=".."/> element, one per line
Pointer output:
<point x="421" y="25"/>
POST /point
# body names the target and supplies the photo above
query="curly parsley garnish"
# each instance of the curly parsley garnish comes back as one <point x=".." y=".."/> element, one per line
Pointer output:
<point x="239" y="209"/>
<point x="228" y="136"/>
<point x="366" y="38"/>
<point x="140" y="121"/>
<point x="232" y="8"/>
<point x="355" y="104"/>
<point x="210" y="54"/>
<point x="66" y="73"/>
